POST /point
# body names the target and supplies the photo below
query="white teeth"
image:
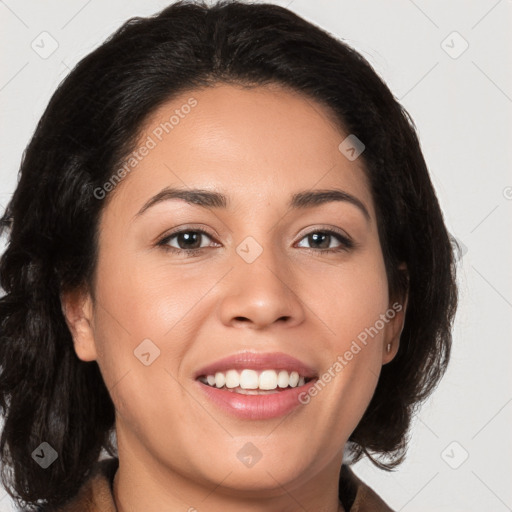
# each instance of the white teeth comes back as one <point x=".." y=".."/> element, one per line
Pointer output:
<point x="253" y="391"/>
<point x="232" y="379"/>
<point x="294" y="379"/>
<point x="247" y="379"/>
<point x="283" y="379"/>
<point x="220" y="379"/>
<point x="268" y="379"/>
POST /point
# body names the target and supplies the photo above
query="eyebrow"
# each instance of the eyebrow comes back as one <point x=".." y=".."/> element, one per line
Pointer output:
<point x="208" y="199"/>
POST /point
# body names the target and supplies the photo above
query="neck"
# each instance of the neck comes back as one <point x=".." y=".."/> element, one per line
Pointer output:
<point x="123" y="503"/>
<point x="138" y="477"/>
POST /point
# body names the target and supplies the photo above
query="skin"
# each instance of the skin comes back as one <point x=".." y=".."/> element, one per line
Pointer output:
<point x="177" y="450"/>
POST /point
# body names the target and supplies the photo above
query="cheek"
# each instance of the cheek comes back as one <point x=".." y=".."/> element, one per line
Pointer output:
<point x="146" y="313"/>
<point x="355" y="299"/>
<point x="363" y="299"/>
<point x="141" y="343"/>
<point x="352" y="297"/>
<point x="146" y="300"/>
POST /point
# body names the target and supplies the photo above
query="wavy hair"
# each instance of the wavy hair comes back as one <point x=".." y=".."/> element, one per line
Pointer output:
<point x="47" y="394"/>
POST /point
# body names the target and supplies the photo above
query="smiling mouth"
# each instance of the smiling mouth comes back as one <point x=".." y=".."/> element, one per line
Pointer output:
<point x="253" y="382"/>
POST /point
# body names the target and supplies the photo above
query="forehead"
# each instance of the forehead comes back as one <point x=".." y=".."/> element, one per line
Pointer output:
<point x="257" y="145"/>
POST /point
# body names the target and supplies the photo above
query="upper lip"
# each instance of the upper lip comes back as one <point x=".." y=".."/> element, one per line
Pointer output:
<point x="258" y="361"/>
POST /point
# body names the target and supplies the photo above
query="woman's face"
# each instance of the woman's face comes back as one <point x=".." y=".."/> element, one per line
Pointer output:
<point x="260" y="281"/>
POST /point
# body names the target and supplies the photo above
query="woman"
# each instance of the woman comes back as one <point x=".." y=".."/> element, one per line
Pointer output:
<point x="227" y="269"/>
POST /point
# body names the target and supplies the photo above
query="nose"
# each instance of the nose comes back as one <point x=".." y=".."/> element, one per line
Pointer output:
<point x="256" y="295"/>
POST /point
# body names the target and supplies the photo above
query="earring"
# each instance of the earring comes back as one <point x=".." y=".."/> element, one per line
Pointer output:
<point x="388" y="348"/>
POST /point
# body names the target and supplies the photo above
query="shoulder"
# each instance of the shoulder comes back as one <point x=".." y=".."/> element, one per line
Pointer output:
<point x="356" y="496"/>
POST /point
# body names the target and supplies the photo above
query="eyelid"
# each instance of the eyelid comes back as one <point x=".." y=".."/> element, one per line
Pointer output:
<point x="345" y="240"/>
<point x="309" y="230"/>
<point x="163" y="239"/>
<point x="325" y="228"/>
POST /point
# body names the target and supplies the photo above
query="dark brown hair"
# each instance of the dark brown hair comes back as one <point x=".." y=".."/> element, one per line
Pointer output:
<point x="92" y="122"/>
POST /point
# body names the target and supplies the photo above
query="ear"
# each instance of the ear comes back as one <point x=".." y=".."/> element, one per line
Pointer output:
<point x="77" y="307"/>
<point x="396" y="314"/>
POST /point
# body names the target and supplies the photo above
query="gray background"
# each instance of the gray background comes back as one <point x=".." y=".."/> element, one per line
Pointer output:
<point x="460" y="454"/>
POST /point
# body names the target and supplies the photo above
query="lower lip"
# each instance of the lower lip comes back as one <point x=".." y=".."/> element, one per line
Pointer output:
<point x="256" y="407"/>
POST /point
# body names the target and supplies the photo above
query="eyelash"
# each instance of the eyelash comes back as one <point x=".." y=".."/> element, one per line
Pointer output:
<point x="346" y="243"/>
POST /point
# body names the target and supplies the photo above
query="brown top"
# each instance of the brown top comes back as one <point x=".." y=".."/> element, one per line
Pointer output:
<point x="95" y="495"/>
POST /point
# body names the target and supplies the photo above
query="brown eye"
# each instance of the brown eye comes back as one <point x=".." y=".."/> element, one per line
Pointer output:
<point x="188" y="241"/>
<point x="322" y="240"/>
